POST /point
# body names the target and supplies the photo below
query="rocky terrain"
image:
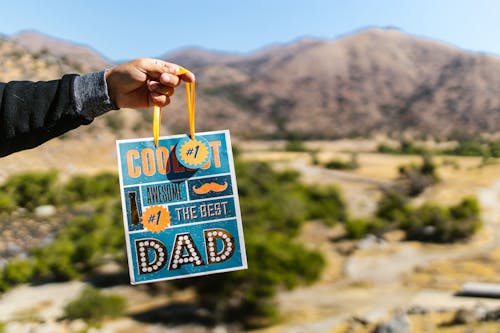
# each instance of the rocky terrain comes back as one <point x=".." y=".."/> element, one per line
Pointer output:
<point x="373" y="81"/>
<point x="369" y="82"/>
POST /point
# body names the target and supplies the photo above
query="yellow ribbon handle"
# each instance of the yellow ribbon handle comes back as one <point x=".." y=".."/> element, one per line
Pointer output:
<point x="157" y="111"/>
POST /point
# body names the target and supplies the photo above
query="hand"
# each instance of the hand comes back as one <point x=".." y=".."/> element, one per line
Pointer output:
<point x="144" y="82"/>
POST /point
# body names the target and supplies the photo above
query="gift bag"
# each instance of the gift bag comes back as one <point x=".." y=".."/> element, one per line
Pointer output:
<point x="180" y="205"/>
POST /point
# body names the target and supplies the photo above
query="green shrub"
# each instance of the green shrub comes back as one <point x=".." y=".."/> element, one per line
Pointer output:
<point x="387" y="149"/>
<point x="7" y="203"/>
<point x="468" y="147"/>
<point x="17" y="271"/>
<point x="295" y="146"/>
<point x="81" y="244"/>
<point x="392" y="207"/>
<point x="495" y="148"/>
<point x="432" y="223"/>
<point x="337" y="164"/>
<point x="270" y="201"/>
<point x="414" y="179"/>
<point x="274" y="205"/>
<point x="246" y="296"/>
<point x="32" y="189"/>
<point x="406" y="147"/>
<point x="326" y="203"/>
<point x="86" y="187"/>
<point x="93" y="306"/>
<point x="360" y="227"/>
<point x="54" y="261"/>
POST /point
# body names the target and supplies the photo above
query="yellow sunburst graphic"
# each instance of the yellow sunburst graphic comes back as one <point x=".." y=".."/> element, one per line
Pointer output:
<point x="194" y="154"/>
<point x="156" y="218"/>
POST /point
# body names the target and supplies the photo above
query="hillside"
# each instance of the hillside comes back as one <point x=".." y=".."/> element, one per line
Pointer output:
<point x="82" y="56"/>
<point x="370" y="82"/>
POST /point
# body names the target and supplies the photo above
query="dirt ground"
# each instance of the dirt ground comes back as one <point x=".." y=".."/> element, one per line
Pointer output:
<point x="369" y="279"/>
<point x="379" y="278"/>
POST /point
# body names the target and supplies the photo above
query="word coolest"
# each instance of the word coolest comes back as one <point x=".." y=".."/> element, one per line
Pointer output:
<point x="152" y="253"/>
<point x="149" y="162"/>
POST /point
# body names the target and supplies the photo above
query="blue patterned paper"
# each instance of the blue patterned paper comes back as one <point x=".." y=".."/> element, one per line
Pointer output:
<point x="204" y="232"/>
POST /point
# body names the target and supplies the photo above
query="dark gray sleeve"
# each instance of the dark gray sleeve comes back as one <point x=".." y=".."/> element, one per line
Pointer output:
<point x="91" y="95"/>
<point x="32" y="113"/>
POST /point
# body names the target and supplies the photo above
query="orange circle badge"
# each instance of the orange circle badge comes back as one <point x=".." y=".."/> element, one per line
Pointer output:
<point x="193" y="154"/>
<point x="156" y="218"/>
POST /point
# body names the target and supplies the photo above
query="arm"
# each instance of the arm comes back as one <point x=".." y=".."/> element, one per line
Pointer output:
<point x="32" y="113"/>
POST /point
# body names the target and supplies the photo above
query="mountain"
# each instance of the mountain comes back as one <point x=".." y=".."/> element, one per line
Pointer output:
<point x="373" y="81"/>
<point x="18" y="63"/>
<point x="195" y="57"/>
<point x="82" y="56"/>
<point x="369" y="82"/>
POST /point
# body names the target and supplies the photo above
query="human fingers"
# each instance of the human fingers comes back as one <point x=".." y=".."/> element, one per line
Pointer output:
<point x="175" y="80"/>
<point x="155" y="67"/>
<point x="157" y="87"/>
<point x="169" y="79"/>
<point x="159" y="99"/>
<point x="188" y="77"/>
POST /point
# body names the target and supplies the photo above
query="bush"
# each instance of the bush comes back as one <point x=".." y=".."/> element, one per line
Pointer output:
<point x="54" y="261"/>
<point x="295" y="146"/>
<point x="17" y="271"/>
<point x="7" y="203"/>
<point x="414" y="179"/>
<point x="393" y="207"/>
<point x="246" y="296"/>
<point x="468" y="147"/>
<point x="495" y="148"/>
<point x="81" y="245"/>
<point x="337" y="164"/>
<point x="406" y="147"/>
<point x="360" y="227"/>
<point x="93" y="306"/>
<point x="432" y="223"/>
<point x="270" y="201"/>
<point x="85" y="188"/>
<point x="32" y="189"/>
<point x="274" y="205"/>
<point x="326" y="203"/>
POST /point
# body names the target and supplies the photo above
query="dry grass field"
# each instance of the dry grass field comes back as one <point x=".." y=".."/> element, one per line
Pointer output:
<point x="367" y="280"/>
<point x="376" y="279"/>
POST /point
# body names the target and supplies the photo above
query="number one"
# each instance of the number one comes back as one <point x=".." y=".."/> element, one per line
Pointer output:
<point x="196" y="152"/>
<point x="158" y="217"/>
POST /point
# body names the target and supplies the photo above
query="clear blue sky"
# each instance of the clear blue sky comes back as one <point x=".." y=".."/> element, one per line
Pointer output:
<point x="127" y="29"/>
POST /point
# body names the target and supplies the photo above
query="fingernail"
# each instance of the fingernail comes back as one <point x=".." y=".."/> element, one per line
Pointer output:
<point x="154" y="84"/>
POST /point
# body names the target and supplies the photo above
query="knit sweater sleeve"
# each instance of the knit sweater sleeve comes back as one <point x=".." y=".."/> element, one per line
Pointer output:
<point x="32" y="113"/>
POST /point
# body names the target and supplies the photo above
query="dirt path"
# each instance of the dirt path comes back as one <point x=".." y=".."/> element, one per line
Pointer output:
<point x="360" y="192"/>
<point x="373" y="285"/>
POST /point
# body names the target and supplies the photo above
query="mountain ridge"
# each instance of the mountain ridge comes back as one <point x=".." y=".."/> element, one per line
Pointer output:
<point x="373" y="81"/>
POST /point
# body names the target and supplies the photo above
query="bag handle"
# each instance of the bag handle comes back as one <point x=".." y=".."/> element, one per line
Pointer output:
<point x="190" y="95"/>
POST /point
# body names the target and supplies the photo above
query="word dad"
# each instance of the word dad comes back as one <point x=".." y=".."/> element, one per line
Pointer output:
<point x="218" y="246"/>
